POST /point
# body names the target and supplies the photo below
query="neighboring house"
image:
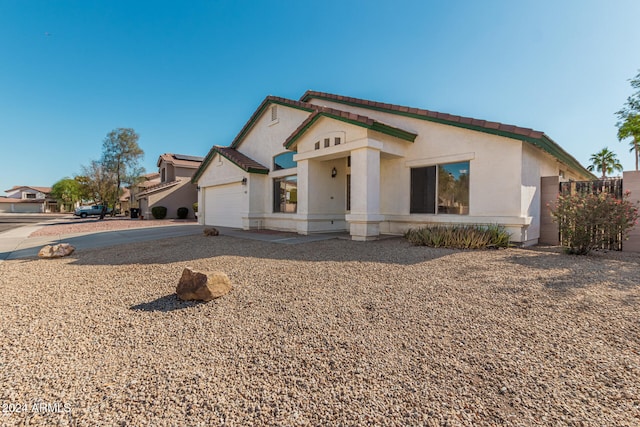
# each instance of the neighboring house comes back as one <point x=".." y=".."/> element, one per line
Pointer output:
<point x="25" y="199"/>
<point x="332" y="163"/>
<point x="173" y="189"/>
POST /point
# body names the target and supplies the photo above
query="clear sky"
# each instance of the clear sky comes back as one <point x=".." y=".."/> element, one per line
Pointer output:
<point x="187" y="75"/>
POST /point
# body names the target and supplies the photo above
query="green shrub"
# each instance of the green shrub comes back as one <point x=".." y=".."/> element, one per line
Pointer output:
<point x="159" y="212"/>
<point x="460" y="236"/>
<point x="195" y="207"/>
<point x="591" y="221"/>
<point x="183" y="212"/>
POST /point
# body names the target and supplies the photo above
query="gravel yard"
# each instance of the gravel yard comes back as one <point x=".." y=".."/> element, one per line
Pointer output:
<point x="86" y="225"/>
<point x="325" y="333"/>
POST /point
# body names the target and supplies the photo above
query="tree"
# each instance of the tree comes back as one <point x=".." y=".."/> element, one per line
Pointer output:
<point x="630" y="128"/>
<point x="604" y="161"/>
<point x="67" y="191"/>
<point x="629" y="119"/>
<point x="98" y="181"/>
<point x="120" y="157"/>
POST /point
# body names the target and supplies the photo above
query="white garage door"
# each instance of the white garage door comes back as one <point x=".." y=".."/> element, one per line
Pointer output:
<point x="223" y="205"/>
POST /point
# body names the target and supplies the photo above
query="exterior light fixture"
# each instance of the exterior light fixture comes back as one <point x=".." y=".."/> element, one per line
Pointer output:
<point x="334" y="172"/>
<point x="244" y="181"/>
<point x="198" y="188"/>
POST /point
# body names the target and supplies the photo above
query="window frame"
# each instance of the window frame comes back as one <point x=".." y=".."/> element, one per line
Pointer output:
<point x="277" y="201"/>
<point x="425" y="183"/>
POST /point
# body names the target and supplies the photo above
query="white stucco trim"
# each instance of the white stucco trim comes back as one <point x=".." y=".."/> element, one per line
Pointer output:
<point x="460" y="219"/>
<point x="439" y="160"/>
<point x="339" y="149"/>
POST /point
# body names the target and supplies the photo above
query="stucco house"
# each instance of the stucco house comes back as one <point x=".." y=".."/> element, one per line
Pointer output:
<point x="332" y="163"/>
<point x="174" y="188"/>
<point x="27" y="199"/>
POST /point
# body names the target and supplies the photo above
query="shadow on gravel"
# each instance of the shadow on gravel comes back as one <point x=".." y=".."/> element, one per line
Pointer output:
<point x="395" y="251"/>
<point x="581" y="271"/>
<point x="165" y="304"/>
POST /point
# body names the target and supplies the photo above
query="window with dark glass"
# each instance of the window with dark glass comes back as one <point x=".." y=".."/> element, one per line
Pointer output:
<point x="285" y="194"/>
<point x="442" y="189"/>
<point x="284" y="161"/>
<point x="327" y="141"/>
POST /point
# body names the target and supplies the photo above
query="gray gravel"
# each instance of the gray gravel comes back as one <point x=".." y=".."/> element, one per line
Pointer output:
<point x="325" y="333"/>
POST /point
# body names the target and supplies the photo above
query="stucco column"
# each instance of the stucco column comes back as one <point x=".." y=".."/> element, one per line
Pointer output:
<point x="364" y="219"/>
<point x="631" y="183"/>
<point x="549" y="190"/>
<point x="302" y="213"/>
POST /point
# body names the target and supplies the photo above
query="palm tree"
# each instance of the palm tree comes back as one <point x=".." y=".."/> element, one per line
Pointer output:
<point x="630" y="128"/>
<point x="604" y="161"/>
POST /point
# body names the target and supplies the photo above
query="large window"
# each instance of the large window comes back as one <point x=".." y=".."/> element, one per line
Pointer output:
<point x="285" y="194"/>
<point x="284" y="161"/>
<point x="442" y="189"/>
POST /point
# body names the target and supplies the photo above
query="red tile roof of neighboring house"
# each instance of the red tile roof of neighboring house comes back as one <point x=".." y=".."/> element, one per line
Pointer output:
<point x="45" y="190"/>
<point x="157" y="187"/>
<point x="181" y="160"/>
<point x="12" y="200"/>
<point x="534" y="137"/>
<point x="353" y="118"/>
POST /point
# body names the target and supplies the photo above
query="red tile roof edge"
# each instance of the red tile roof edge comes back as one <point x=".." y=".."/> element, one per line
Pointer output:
<point x="427" y="113"/>
<point x="242" y="160"/>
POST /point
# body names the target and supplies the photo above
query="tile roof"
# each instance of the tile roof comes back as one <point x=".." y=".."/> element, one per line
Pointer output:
<point x="353" y="118"/>
<point x="157" y="187"/>
<point x="12" y="200"/>
<point x="534" y="137"/>
<point x="241" y="160"/>
<point x="45" y="190"/>
<point x="180" y="160"/>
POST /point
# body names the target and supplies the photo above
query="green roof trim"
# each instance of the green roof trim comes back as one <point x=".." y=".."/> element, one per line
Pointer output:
<point x="371" y="124"/>
<point x="221" y="151"/>
<point x="543" y="142"/>
<point x="258" y="113"/>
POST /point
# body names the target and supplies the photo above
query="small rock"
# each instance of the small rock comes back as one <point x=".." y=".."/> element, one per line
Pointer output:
<point x="211" y="231"/>
<point x="205" y="286"/>
<point x="56" y="251"/>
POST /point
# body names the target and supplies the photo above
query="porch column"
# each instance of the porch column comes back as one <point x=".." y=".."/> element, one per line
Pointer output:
<point x="302" y="214"/>
<point x="364" y="219"/>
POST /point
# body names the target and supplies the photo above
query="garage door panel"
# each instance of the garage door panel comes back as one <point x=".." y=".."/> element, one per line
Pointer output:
<point x="224" y="205"/>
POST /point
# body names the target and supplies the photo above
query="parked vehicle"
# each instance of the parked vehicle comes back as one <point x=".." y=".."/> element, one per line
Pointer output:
<point x="94" y="210"/>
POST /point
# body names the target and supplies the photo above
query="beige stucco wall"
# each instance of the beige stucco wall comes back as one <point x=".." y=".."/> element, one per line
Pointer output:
<point x="265" y="139"/>
<point x="183" y="194"/>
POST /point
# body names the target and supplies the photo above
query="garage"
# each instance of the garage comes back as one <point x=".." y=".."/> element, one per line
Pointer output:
<point x="224" y="205"/>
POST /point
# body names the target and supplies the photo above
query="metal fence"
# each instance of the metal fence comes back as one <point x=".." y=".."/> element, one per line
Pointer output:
<point x="610" y="186"/>
<point x="608" y="237"/>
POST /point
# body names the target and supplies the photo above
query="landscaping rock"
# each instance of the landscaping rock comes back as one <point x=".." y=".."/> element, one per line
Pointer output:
<point x="56" y="251"/>
<point x="211" y="231"/>
<point x="204" y="286"/>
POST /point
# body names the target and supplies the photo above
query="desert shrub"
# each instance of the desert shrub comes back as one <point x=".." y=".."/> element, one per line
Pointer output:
<point x="195" y="207"/>
<point x="183" y="212"/>
<point x="460" y="236"/>
<point x="591" y="221"/>
<point x="159" y="212"/>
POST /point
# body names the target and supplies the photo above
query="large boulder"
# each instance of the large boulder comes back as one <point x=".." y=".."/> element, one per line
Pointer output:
<point x="56" y="251"/>
<point x="204" y="286"/>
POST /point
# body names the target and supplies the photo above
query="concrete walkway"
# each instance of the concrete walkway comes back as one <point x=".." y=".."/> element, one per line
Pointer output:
<point x="16" y="243"/>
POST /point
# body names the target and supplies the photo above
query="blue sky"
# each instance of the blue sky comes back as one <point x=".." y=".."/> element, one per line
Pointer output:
<point x="187" y="75"/>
